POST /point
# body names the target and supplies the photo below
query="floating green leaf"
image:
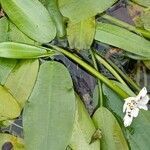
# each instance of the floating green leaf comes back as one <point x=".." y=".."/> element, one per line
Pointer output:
<point x="3" y="29"/>
<point x="9" y="108"/>
<point x="83" y="130"/>
<point x="6" y="66"/>
<point x="24" y="15"/>
<point x="112" y="136"/>
<point x="80" y="35"/>
<point x="9" y="32"/>
<point x="21" y="80"/>
<point x="78" y="10"/>
<point x="22" y="51"/>
<point x="52" y="6"/>
<point x="16" y="142"/>
<point x="49" y="115"/>
<point x="122" y="38"/>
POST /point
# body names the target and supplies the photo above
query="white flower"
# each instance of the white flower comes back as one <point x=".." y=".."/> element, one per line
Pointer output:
<point x="133" y="104"/>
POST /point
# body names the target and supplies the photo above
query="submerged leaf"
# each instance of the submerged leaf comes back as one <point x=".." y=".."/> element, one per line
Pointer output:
<point x="78" y="10"/>
<point x="15" y="143"/>
<point x="21" y="80"/>
<point x="122" y="38"/>
<point x="31" y="17"/>
<point x="23" y="51"/>
<point x="9" y="108"/>
<point x="51" y="109"/>
<point x="80" y="35"/>
<point x="112" y="136"/>
<point x="83" y="130"/>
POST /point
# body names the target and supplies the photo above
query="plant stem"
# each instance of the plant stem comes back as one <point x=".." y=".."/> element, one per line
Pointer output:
<point x="109" y="67"/>
<point x="99" y="82"/>
<point x="92" y="70"/>
<point x="118" y="22"/>
<point x="118" y="71"/>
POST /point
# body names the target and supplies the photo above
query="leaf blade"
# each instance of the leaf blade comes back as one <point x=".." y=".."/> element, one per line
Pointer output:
<point x="53" y="115"/>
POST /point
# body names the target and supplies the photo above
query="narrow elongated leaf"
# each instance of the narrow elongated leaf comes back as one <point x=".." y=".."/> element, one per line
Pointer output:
<point x="80" y="35"/>
<point x="78" y="10"/>
<point x="3" y="29"/>
<point x="24" y="15"/>
<point x="6" y="66"/>
<point x="51" y="109"/>
<point x="9" y="108"/>
<point x="15" y="143"/>
<point x="122" y="38"/>
<point x="22" y="51"/>
<point x="21" y="80"/>
<point x="52" y="6"/>
<point x="138" y="133"/>
<point x="145" y="3"/>
<point x="83" y="130"/>
<point x="112" y="136"/>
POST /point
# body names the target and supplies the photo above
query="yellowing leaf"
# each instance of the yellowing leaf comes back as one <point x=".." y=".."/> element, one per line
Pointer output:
<point x="78" y="10"/>
<point x="21" y="80"/>
<point x="9" y="108"/>
<point x="80" y="35"/>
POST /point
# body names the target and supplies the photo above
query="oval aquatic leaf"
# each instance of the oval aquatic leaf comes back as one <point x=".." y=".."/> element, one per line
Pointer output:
<point x="14" y="142"/>
<point x="49" y="114"/>
<point x="9" y="108"/>
<point x="112" y="136"/>
<point x="22" y="51"/>
<point x="21" y="80"/>
<point x="6" y="66"/>
<point x="80" y="35"/>
<point x="3" y="29"/>
<point x="78" y="10"/>
<point x="32" y="18"/>
<point x="122" y="38"/>
<point x="52" y="6"/>
<point x="83" y="130"/>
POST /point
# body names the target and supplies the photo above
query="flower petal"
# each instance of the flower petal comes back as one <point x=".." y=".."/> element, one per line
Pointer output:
<point x="143" y="107"/>
<point x="141" y="94"/>
<point x="127" y="120"/>
<point x="144" y="100"/>
<point x="135" y="112"/>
